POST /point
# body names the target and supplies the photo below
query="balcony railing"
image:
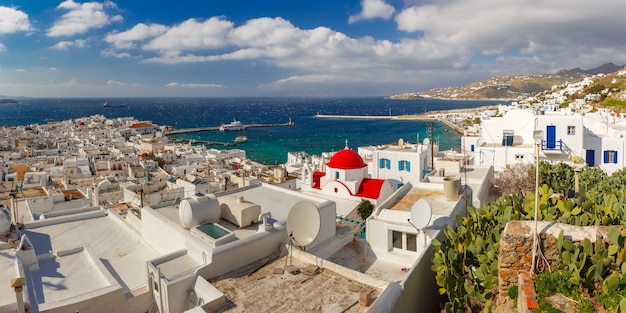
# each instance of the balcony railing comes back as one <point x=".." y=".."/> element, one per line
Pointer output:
<point x="558" y="145"/>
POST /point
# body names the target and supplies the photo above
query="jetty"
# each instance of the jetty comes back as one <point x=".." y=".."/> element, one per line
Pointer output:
<point x="204" y="142"/>
<point x="421" y="117"/>
<point x="214" y="128"/>
<point x="460" y="130"/>
<point x="376" y="117"/>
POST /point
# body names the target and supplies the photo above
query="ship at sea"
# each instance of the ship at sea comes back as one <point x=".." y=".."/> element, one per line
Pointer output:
<point x="234" y="125"/>
<point x="106" y="104"/>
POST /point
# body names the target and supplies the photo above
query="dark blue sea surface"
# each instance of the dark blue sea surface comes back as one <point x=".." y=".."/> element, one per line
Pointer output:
<point x="266" y="145"/>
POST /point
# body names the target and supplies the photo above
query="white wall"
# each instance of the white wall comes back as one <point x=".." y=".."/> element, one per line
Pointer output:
<point x="165" y="236"/>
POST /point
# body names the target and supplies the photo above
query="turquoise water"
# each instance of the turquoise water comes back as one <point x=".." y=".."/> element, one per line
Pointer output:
<point x="264" y="145"/>
<point x="213" y="230"/>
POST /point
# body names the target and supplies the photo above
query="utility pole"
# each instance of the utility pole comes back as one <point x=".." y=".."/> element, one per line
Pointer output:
<point x="432" y="146"/>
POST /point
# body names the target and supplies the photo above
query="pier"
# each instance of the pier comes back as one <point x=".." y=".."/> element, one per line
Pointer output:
<point x="204" y="142"/>
<point x="459" y="129"/>
<point x="214" y="128"/>
<point x="376" y="117"/>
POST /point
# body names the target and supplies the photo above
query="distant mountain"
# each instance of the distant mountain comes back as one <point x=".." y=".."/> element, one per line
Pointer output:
<point x="510" y="87"/>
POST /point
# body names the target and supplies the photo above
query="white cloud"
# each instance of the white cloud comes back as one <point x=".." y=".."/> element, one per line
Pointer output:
<point x="550" y="30"/>
<point x="113" y="53"/>
<point x="115" y="83"/>
<point x="373" y="9"/>
<point x="81" y="17"/>
<point x="12" y="20"/>
<point x="65" y="45"/>
<point x="140" y="32"/>
<point x="193" y="34"/>
<point x="20" y="70"/>
<point x="2" y="47"/>
<point x="441" y="39"/>
<point x="175" y="84"/>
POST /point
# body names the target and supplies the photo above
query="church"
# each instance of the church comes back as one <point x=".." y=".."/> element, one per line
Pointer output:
<point x="345" y="176"/>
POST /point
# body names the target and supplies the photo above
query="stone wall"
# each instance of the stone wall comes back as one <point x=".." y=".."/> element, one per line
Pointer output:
<point x="516" y="247"/>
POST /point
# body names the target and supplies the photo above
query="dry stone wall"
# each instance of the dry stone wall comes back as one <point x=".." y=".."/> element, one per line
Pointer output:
<point x="516" y="247"/>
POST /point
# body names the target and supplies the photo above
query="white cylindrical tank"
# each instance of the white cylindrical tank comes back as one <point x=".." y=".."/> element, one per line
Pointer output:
<point x="196" y="211"/>
<point x="451" y="187"/>
<point x="5" y="220"/>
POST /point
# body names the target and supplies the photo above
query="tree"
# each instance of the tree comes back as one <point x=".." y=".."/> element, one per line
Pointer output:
<point x="365" y="209"/>
<point x="519" y="177"/>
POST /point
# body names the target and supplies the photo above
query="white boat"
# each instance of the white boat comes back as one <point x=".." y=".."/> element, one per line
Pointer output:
<point x="241" y="138"/>
<point x="234" y="125"/>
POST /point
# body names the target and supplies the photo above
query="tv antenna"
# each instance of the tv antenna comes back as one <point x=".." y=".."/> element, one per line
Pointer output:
<point x="421" y="214"/>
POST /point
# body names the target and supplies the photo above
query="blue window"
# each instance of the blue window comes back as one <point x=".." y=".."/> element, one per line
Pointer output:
<point x="336" y="175"/>
<point x="384" y="163"/>
<point x="472" y="148"/>
<point x="404" y="165"/>
<point x="610" y="156"/>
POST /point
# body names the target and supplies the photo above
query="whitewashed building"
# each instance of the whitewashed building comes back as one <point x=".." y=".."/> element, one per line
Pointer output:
<point x="594" y="139"/>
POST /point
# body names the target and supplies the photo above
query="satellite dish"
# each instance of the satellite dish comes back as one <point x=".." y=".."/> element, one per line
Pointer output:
<point x="421" y="213"/>
<point x="400" y="142"/>
<point x="303" y="223"/>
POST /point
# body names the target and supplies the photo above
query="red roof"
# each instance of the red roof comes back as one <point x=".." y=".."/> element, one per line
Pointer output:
<point x="346" y="159"/>
<point x="140" y="125"/>
<point x="316" y="179"/>
<point x="370" y="188"/>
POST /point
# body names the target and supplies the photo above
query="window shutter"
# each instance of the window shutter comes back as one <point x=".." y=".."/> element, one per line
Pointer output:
<point x="408" y="166"/>
<point x="606" y="156"/>
<point x="388" y="164"/>
<point x="381" y="163"/>
<point x="400" y="165"/>
<point x="615" y="157"/>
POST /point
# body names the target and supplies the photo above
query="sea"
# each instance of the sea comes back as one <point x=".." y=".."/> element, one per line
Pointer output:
<point x="267" y="145"/>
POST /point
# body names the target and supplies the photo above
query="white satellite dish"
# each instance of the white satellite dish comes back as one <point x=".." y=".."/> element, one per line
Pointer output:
<point x="303" y="223"/>
<point x="400" y="142"/>
<point x="421" y="213"/>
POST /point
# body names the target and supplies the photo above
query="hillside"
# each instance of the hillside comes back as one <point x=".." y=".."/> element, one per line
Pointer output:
<point x="510" y="87"/>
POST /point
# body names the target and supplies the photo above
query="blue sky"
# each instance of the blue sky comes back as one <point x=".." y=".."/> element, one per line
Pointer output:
<point x="294" y="48"/>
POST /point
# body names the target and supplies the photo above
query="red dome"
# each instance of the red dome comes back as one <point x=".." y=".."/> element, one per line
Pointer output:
<point x="346" y="159"/>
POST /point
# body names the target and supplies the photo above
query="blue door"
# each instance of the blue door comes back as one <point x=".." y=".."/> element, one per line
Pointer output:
<point x="590" y="157"/>
<point x="551" y="137"/>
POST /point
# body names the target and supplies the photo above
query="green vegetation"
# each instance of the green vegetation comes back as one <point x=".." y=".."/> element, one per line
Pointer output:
<point x="365" y="209"/>
<point x="614" y="103"/>
<point x="466" y="262"/>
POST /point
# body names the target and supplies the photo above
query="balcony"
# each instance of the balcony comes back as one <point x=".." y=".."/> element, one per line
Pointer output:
<point x="555" y="146"/>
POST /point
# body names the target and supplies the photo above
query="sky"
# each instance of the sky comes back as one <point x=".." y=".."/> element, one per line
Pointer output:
<point x="209" y="48"/>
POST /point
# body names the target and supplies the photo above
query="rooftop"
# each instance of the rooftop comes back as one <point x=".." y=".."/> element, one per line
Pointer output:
<point x="248" y="289"/>
<point x="119" y="249"/>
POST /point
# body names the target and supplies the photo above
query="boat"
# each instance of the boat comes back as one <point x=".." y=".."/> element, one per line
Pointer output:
<point x="107" y="105"/>
<point x="241" y="138"/>
<point x="234" y="125"/>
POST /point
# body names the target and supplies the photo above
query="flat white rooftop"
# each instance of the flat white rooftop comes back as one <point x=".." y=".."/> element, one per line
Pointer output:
<point x="121" y="251"/>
